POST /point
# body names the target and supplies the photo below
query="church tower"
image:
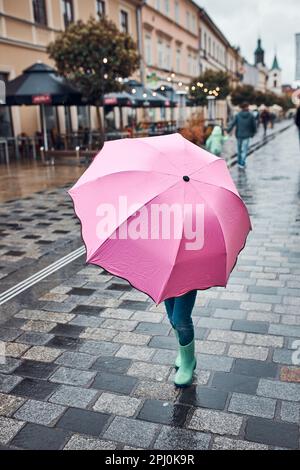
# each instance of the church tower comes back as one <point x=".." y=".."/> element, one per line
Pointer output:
<point x="261" y="69"/>
<point x="259" y="54"/>
<point x="275" y="81"/>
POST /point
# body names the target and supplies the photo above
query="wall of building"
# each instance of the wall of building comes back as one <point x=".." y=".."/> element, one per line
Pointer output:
<point x="212" y="50"/>
<point x="172" y="33"/>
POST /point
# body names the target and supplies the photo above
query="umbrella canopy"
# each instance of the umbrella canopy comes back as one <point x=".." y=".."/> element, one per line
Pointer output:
<point x="40" y="84"/>
<point x="125" y="201"/>
<point x="145" y="97"/>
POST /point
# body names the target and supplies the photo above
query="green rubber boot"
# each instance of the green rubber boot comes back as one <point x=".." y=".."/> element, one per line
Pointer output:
<point x="184" y="375"/>
<point x="178" y="358"/>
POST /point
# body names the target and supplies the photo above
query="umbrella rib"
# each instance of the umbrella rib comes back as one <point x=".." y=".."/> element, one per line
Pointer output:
<point x="142" y="140"/>
<point x="177" y="251"/>
<point x="72" y="189"/>
<point x="217" y="218"/>
<point x="205" y="166"/>
<point x="220" y="187"/>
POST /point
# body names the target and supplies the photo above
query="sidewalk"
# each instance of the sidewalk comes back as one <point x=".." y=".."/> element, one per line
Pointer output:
<point x="20" y="180"/>
<point x="258" y="140"/>
<point x="90" y="359"/>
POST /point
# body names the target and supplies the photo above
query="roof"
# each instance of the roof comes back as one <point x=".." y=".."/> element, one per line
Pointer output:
<point x="275" y="65"/>
<point x="259" y="48"/>
<point x="217" y="31"/>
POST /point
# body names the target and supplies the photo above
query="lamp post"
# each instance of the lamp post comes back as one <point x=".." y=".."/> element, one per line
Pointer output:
<point x="104" y="76"/>
<point x="211" y="102"/>
<point x="170" y="79"/>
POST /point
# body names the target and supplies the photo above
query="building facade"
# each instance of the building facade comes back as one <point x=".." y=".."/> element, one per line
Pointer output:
<point x="170" y="41"/>
<point x="177" y="40"/>
<point x="215" y="50"/>
<point x="26" y="28"/>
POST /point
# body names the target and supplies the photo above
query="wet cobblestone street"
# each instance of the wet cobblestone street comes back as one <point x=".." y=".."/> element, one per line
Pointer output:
<point x="90" y="360"/>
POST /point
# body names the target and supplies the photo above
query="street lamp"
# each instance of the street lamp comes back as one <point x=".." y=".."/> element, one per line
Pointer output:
<point x="171" y="80"/>
<point x="211" y="102"/>
<point x="105" y="77"/>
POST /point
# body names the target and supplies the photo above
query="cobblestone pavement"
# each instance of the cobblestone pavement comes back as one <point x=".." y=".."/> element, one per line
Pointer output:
<point x="89" y="359"/>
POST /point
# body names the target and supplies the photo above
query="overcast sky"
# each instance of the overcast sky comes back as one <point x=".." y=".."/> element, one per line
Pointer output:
<point x="276" y="21"/>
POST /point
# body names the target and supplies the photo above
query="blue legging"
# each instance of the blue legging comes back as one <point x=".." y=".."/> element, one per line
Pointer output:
<point x="179" y="310"/>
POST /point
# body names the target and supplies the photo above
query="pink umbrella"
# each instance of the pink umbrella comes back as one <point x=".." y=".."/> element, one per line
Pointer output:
<point x="161" y="213"/>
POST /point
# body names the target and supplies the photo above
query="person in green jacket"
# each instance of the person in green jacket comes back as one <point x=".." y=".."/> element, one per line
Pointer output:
<point x="215" y="141"/>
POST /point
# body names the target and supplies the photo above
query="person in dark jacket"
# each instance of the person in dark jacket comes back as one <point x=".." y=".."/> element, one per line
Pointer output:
<point x="265" y="118"/>
<point x="297" y="120"/>
<point x="245" y="128"/>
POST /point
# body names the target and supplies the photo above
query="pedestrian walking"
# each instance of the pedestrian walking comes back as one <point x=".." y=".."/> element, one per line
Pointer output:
<point x="297" y="120"/>
<point x="255" y="113"/>
<point x="215" y="141"/>
<point x="265" y="119"/>
<point x="245" y="129"/>
<point x="272" y="120"/>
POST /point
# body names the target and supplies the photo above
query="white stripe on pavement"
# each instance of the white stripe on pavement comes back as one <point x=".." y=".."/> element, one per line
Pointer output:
<point x="37" y="277"/>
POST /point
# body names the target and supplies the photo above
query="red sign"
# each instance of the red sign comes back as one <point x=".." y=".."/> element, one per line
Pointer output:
<point x="42" y="99"/>
<point x="110" y="100"/>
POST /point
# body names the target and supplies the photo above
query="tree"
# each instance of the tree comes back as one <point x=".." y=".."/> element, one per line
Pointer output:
<point x="242" y="94"/>
<point x="247" y="93"/>
<point x="92" y="56"/>
<point x="210" y="80"/>
<point x="285" y="102"/>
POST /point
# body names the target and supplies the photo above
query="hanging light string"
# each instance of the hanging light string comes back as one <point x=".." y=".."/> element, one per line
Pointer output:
<point x="200" y="86"/>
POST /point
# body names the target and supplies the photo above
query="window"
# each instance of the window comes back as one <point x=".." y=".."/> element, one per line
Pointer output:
<point x="68" y="12"/>
<point x="160" y="53"/>
<point x="209" y="45"/>
<point x="124" y="21"/>
<point x="148" y="49"/>
<point x="39" y="12"/>
<point x="168" y="57"/>
<point x="275" y="83"/>
<point x="195" y="66"/>
<point x="100" y="7"/>
<point x="188" y="20"/>
<point x="178" y="59"/>
<point x="193" y="23"/>
<point x="189" y="64"/>
<point x="177" y="12"/>
<point x="167" y="7"/>
<point x="158" y="5"/>
<point x="205" y="42"/>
